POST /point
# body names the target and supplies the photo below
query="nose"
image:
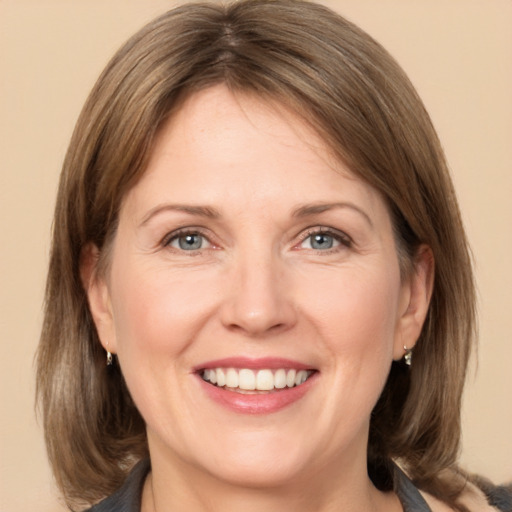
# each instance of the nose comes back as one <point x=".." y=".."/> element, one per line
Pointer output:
<point x="259" y="298"/>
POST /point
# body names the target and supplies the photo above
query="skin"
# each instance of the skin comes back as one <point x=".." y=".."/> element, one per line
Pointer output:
<point x="256" y="288"/>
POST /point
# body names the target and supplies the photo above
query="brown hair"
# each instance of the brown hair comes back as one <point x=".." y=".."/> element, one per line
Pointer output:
<point x="349" y="88"/>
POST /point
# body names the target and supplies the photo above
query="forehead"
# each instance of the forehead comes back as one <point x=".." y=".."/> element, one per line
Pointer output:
<point x="217" y="119"/>
<point x="237" y="148"/>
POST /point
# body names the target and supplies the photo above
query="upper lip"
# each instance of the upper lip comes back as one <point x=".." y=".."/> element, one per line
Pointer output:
<point x="272" y="363"/>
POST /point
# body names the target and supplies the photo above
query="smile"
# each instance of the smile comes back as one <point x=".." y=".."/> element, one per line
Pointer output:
<point x="245" y="380"/>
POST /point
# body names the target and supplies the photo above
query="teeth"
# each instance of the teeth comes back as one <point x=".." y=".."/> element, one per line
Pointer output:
<point x="300" y="377"/>
<point x="290" y="378"/>
<point x="221" y="377"/>
<point x="247" y="380"/>
<point x="232" y="378"/>
<point x="280" y="379"/>
<point x="264" y="380"/>
<point x="260" y="380"/>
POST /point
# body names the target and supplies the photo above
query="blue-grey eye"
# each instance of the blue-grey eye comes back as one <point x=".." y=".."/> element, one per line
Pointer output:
<point x="320" y="241"/>
<point x="188" y="242"/>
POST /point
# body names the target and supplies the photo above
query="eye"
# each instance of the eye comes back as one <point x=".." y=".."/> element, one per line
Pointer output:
<point x="189" y="241"/>
<point x="323" y="240"/>
<point x="320" y="242"/>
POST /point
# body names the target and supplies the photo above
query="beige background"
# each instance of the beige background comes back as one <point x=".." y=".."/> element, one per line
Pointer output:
<point x="457" y="52"/>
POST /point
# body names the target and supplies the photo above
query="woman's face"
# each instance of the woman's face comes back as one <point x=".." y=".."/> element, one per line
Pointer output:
<point x="247" y="256"/>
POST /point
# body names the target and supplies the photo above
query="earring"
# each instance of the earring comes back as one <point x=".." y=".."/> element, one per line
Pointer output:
<point x="109" y="358"/>
<point x="408" y="356"/>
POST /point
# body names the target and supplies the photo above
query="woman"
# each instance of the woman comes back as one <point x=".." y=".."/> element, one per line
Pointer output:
<point x="260" y="293"/>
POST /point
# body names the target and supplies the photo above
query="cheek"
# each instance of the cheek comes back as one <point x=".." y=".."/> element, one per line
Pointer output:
<point x="157" y="313"/>
<point x="356" y="319"/>
<point x="356" y="309"/>
<point x="354" y="313"/>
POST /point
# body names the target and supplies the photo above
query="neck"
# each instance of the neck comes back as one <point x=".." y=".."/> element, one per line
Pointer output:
<point x="171" y="489"/>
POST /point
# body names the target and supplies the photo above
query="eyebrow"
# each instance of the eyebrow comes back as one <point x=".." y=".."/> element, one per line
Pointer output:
<point x="201" y="211"/>
<point x="211" y="213"/>
<point x="314" y="209"/>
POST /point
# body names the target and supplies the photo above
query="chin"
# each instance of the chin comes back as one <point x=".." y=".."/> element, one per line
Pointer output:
<point x="263" y="473"/>
<point x="260" y="461"/>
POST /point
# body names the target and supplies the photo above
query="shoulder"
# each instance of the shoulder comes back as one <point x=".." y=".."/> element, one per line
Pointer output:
<point x="128" y="497"/>
<point x="479" y="495"/>
<point x="435" y="504"/>
<point x="498" y="496"/>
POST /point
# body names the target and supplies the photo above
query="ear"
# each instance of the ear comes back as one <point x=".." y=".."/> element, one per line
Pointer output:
<point x="98" y="296"/>
<point x="414" y="301"/>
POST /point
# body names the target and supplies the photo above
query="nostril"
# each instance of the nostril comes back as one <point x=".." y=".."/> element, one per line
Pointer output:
<point x="256" y="322"/>
<point x="257" y="301"/>
<point x="255" y="329"/>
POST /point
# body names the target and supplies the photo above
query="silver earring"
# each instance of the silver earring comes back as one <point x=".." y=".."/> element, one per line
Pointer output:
<point x="408" y="356"/>
<point x="109" y="358"/>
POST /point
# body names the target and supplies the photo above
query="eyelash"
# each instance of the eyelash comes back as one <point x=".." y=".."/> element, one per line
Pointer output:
<point x="343" y="239"/>
<point x="171" y="237"/>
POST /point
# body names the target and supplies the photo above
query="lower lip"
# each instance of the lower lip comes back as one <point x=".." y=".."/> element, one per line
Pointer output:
<point x="257" y="403"/>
